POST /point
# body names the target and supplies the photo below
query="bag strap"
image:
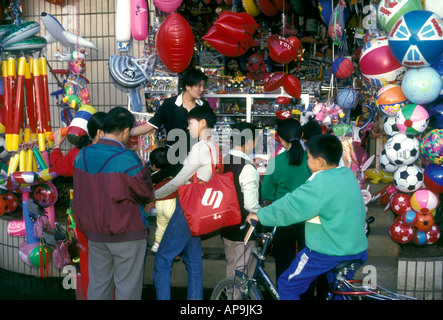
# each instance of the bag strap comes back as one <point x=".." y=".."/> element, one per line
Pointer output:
<point x="214" y="172"/>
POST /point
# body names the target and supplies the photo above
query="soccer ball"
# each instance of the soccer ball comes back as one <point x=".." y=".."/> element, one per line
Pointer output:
<point x="386" y="164"/>
<point x="433" y="235"/>
<point x="390" y="127"/>
<point x="425" y="221"/>
<point x="400" y="232"/>
<point x="400" y="203"/>
<point x="401" y="149"/>
<point x="408" y="178"/>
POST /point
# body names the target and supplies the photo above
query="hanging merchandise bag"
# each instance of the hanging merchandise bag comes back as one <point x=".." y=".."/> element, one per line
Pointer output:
<point x="336" y="25"/>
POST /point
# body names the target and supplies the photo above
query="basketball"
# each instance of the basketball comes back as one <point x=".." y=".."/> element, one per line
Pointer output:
<point x="347" y="98"/>
<point x="388" y="14"/>
<point x="422" y="85"/>
<point x="342" y="67"/>
<point x="416" y="39"/>
<point x="412" y="119"/>
<point x="389" y="99"/>
<point x="377" y="64"/>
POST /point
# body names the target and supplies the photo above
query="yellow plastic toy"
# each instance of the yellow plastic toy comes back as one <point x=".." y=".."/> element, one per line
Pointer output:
<point x="375" y="176"/>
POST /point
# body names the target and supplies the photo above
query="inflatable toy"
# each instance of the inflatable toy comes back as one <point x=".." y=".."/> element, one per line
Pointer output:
<point x="78" y="126"/>
<point x="388" y="12"/>
<point x="175" y="43"/>
<point x="29" y="45"/>
<point x="400" y="203"/>
<point x="421" y="86"/>
<point x="408" y="178"/>
<point x="431" y="146"/>
<point x="390" y="99"/>
<point x="400" y="232"/>
<point x="274" y="81"/>
<point x="280" y="49"/>
<point x="325" y="10"/>
<point x="139" y="19"/>
<point x="251" y="7"/>
<point x="424" y="201"/>
<point x="434" y="6"/>
<point x="268" y="7"/>
<point x="375" y="176"/>
<point x="433" y="177"/>
<point x="401" y="149"/>
<point x="424" y="222"/>
<point x="409" y="218"/>
<point x="130" y="72"/>
<point x="432" y="235"/>
<point x="342" y="67"/>
<point x="386" y="164"/>
<point x="412" y="119"/>
<point x="435" y="111"/>
<point x="20" y="32"/>
<point x="226" y="46"/>
<point x="416" y="39"/>
<point x="292" y="86"/>
<point x="236" y="26"/>
<point x="347" y="98"/>
<point x="123" y="24"/>
<point x="419" y="238"/>
<point x="167" y="6"/>
<point x="45" y="195"/>
<point x="68" y="40"/>
<point x="283" y="5"/>
<point x="377" y="64"/>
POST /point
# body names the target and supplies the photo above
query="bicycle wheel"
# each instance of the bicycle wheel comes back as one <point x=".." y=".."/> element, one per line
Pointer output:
<point x="235" y="288"/>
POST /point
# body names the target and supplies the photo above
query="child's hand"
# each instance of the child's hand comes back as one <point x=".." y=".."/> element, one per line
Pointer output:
<point x="251" y="216"/>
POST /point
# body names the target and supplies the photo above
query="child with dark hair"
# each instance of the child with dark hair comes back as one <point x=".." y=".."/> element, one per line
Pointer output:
<point x="162" y="173"/>
<point x="177" y="237"/>
<point x="332" y="205"/>
<point x="286" y="172"/>
<point x="247" y="183"/>
<point x="310" y="129"/>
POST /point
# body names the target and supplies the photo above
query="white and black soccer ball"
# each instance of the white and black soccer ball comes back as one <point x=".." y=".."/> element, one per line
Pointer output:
<point x="402" y="149"/>
<point x="390" y="127"/>
<point x="386" y="164"/>
<point x="408" y="178"/>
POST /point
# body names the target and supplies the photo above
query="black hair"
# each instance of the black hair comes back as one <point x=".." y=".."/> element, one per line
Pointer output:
<point x="193" y="77"/>
<point x="290" y="130"/>
<point x="243" y="132"/>
<point x="95" y="123"/>
<point x="326" y="146"/>
<point x="117" y="120"/>
<point x="203" y="112"/>
<point x="311" y="128"/>
<point x="159" y="158"/>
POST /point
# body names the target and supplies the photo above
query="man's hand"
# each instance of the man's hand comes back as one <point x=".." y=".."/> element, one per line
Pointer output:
<point x="251" y="216"/>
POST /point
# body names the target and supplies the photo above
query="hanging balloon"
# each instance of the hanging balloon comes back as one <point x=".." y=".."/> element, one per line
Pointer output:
<point x="225" y="45"/>
<point x="167" y="5"/>
<point x="274" y="81"/>
<point x="422" y="85"/>
<point x="389" y="12"/>
<point x="292" y="86"/>
<point x="175" y="43"/>
<point x="325" y="8"/>
<point x="280" y="49"/>
<point x="236" y="26"/>
<point x="342" y="67"/>
<point x="283" y="5"/>
<point x="390" y="99"/>
<point x="251" y="7"/>
<point x="268" y="7"/>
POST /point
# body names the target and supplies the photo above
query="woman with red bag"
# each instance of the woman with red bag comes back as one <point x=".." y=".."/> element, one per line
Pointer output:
<point x="177" y="238"/>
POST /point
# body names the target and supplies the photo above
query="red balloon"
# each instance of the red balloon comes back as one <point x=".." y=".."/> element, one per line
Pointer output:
<point x="226" y="46"/>
<point x="274" y="81"/>
<point x="167" y="6"/>
<point x="283" y="5"/>
<point x="297" y="45"/>
<point x="283" y="100"/>
<point x="267" y="7"/>
<point x="237" y="26"/>
<point x="400" y="203"/>
<point x="175" y="43"/>
<point x="280" y="49"/>
<point x="292" y="86"/>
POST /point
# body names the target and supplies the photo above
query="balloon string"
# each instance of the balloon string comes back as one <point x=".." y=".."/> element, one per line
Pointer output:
<point x="77" y="26"/>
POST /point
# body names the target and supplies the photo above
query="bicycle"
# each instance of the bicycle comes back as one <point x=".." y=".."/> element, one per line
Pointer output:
<point x="243" y="287"/>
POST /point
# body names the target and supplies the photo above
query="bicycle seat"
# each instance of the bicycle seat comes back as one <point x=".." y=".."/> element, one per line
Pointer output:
<point x="345" y="264"/>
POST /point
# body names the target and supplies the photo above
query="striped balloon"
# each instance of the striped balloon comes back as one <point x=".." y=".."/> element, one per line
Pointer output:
<point x="412" y="119"/>
<point x="424" y="201"/>
<point x="79" y="125"/>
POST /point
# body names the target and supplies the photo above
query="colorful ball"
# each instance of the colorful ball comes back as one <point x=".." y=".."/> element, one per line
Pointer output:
<point x="424" y="201"/>
<point x="378" y="66"/>
<point x="347" y="98"/>
<point x="402" y="150"/>
<point x="433" y="178"/>
<point x="11" y="202"/>
<point x="3" y="205"/>
<point x="435" y="111"/>
<point x="390" y="127"/>
<point x="335" y="31"/>
<point x="424" y="221"/>
<point x="386" y="164"/>
<point x="421" y="86"/>
<point x="408" y="178"/>
<point x="388" y="13"/>
<point x="40" y="254"/>
<point x="400" y="203"/>
<point x="390" y="99"/>
<point x="400" y="232"/>
<point x="45" y="195"/>
<point x="433" y="234"/>
<point x="419" y="238"/>
<point x="409" y="218"/>
<point x="342" y="67"/>
<point x="431" y="146"/>
<point x="412" y="119"/>
<point x="416" y="39"/>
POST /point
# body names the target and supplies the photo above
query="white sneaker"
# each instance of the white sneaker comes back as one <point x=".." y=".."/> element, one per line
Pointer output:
<point x="155" y="246"/>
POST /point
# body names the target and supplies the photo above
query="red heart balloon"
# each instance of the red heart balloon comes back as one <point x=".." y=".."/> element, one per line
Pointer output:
<point x="175" y="43"/>
<point x="292" y="86"/>
<point x="283" y="100"/>
<point x="280" y="49"/>
<point x="283" y="114"/>
<point x="274" y="81"/>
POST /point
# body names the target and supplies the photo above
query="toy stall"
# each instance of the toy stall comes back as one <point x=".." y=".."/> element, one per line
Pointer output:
<point x="367" y="71"/>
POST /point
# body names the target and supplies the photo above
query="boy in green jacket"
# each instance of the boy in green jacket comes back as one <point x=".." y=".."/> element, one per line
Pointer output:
<point x="332" y="205"/>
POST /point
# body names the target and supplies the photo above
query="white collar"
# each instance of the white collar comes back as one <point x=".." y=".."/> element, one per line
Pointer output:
<point x="179" y="100"/>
